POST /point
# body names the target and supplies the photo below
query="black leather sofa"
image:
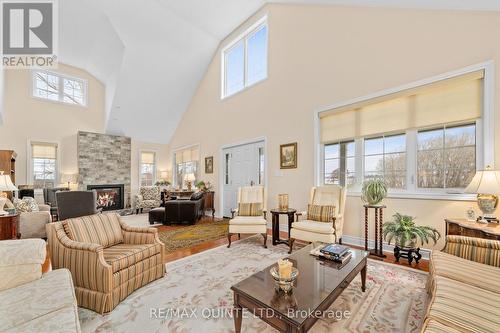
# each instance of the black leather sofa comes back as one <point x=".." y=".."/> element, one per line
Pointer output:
<point x="185" y="211"/>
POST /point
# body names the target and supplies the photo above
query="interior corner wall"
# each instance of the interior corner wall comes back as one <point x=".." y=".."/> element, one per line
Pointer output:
<point x="322" y="55"/>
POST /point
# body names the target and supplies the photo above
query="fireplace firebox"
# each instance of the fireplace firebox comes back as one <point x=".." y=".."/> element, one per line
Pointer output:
<point x="109" y="197"/>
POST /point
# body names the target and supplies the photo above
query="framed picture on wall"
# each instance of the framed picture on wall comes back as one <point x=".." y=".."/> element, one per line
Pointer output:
<point x="288" y="156"/>
<point x="209" y="164"/>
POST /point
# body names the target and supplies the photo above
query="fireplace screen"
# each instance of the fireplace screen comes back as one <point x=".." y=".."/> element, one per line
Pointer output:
<point x="109" y="197"/>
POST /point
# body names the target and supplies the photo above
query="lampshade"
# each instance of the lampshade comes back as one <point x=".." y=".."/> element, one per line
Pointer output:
<point x="190" y="177"/>
<point x="6" y="183"/>
<point x="485" y="182"/>
<point x="69" y="178"/>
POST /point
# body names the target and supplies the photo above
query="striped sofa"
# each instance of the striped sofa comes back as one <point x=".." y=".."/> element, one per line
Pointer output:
<point x="464" y="284"/>
<point x="107" y="259"/>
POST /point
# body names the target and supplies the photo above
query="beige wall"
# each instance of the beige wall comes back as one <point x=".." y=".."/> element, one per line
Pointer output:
<point x="28" y="119"/>
<point x="321" y="55"/>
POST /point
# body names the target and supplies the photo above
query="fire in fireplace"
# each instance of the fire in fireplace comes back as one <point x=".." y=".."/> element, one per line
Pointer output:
<point x="109" y="197"/>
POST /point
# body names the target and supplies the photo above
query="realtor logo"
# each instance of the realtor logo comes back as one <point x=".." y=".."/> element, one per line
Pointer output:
<point x="28" y="33"/>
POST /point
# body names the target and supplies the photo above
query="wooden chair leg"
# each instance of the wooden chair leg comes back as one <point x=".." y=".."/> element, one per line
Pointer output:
<point x="340" y="240"/>
<point x="265" y="239"/>
<point x="239" y="236"/>
<point x="291" y="240"/>
<point x="229" y="239"/>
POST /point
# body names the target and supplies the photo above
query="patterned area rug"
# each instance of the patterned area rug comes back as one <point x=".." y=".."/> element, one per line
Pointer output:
<point x="199" y="288"/>
<point x="187" y="236"/>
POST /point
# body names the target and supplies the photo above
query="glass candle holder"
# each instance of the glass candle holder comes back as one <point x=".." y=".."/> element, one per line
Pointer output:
<point x="283" y="201"/>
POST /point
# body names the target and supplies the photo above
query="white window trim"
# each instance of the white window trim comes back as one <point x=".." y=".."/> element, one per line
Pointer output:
<point x="155" y="171"/>
<point x="174" y="173"/>
<point x="243" y="36"/>
<point x="29" y="164"/>
<point x="61" y="76"/>
<point x="484" y="134"/>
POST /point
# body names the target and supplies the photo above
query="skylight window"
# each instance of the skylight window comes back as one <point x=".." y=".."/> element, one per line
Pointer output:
<point x="59" y="88"/>
<point x="244" y="62"/>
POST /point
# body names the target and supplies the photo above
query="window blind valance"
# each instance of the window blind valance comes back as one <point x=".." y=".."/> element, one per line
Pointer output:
<point x="451" y="100"/>
<point x="43" y="150"/>
<point x="187" y="155"/>
<point x="147" y="157"/>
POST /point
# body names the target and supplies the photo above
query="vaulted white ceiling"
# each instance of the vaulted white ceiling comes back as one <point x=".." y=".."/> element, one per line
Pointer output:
<point x="152" y="54"/>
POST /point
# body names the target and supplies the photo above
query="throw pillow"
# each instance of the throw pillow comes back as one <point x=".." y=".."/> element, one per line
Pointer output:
<point x="250" y="209"/>
<point x="320" y="213"/>
<point x="26" y="205"/>
<point x="196" y="196"/>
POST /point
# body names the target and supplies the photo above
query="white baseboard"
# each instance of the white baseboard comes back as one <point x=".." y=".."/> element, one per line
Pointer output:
<point x="360" y="241"/>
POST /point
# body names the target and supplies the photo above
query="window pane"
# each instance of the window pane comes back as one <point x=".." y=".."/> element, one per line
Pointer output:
<point x="460" y="166"/>
<point x="395" y="161"/>
<point x="257" y="56"/>
<point x="350" y="149"/>
<point x="332" y="171"/>
<point x="459" y="178"/>
<point x="374" y="146"/>
<point x="350" y="165"/>
<point x="332" y="151"/>
<point x="395" y="143"/>
<point x="395" y="179"/>
<point x="374" y="163"/>
<point x="430" y="139"/>
<point x="460" y="136"/>
<point x="235" y="68"/>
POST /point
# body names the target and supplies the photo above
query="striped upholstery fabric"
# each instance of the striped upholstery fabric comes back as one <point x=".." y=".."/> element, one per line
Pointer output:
<point x="432" y="326"/>
<point x="105" y="275"/>
<point x="320" y="213"/>
<point x="463" y="307"/>
<point x="250" y="209"/>
<point x="485" y="251"/>
<point x="463" y="270"/>
<point x="103" y="229"/>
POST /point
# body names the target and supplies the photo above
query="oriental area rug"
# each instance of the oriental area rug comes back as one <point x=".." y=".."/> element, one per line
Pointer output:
<point x="195" y="296"/>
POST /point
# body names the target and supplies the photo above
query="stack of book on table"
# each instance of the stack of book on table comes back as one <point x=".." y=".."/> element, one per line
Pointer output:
<point x="334" y="252"/>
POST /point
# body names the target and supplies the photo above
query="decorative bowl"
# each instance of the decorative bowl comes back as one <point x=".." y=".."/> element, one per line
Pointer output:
<point x="283" y="284"/>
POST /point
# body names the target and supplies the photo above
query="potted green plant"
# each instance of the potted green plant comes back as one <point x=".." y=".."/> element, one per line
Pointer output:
<point x="406" y="233"/>
<point x="374" y="191"/>
<point x="203" y="186"/>
<point x="163" y="184"/>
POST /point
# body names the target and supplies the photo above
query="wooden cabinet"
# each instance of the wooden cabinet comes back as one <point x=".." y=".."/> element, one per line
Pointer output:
<point x="462" y="227"/>
<point x="8" y="165"/>
<point x="209" y="202"/>
<point x="9" y="226"/>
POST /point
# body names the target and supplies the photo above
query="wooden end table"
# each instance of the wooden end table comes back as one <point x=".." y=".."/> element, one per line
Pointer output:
<point x="276" y="224"/>
<point x="9" y="226"/>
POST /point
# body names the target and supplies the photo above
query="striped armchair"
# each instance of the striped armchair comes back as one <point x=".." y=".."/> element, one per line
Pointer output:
<point x="108" y="259"/>
<point x="464" y="286"/>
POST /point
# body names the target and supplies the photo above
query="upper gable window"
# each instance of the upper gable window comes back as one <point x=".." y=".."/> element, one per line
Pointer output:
<point x="244" y="61"/>
<point x="59" y="88"/>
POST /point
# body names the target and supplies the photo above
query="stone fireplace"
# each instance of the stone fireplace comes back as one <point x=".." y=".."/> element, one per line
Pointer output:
<point x="104" y="160"/>
<point x="109" y="197"/>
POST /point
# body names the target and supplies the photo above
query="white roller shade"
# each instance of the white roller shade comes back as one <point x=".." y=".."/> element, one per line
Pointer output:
<point x="452" y="100"/>
<point x="147" y="157"/>
<point x="187" y="155"/>
<point x="43" y="150"/>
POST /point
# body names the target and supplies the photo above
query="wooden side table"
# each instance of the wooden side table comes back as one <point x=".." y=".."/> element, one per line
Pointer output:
<point x="209" y="202"/>
<point x="379" y="218"/>
<point x="462" y="227"/>
<point x="276" y="224"/>
<point x="9" y="226"/>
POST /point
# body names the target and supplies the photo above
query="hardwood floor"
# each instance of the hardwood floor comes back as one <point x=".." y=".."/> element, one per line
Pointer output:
<point x="185" y="252"/>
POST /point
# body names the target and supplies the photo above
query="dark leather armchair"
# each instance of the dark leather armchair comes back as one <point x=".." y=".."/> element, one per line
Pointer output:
<point x="71" y="204"/>
<point x="185" y="211"/>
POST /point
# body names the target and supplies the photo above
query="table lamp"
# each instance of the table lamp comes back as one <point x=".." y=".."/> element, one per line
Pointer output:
<point x="5" y="185"/>
<point x="190" y="178"/>
<point x="486" y="184"/>
<point x="70" y="178"/>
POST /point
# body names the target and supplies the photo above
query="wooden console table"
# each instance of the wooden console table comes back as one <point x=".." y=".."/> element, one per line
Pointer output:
<point x="463" y="227"/>
<point x="209" y="202"/>
<point x="9" y="226"/>
<point x="379" y="218"/>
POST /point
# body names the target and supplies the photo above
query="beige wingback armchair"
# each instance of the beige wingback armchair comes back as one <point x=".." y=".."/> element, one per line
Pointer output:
<point x="107" y="258"/>
<point x="310" y="230"/>
<point x="250" y="216"/>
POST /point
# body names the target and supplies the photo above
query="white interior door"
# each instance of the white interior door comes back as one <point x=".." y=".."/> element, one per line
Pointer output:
<point x="243" y="166"/>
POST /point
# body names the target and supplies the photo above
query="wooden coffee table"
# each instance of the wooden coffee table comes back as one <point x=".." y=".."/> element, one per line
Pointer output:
<point x="318" y="285"/>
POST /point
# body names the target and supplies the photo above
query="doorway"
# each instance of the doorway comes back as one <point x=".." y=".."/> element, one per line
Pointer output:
<point x="243" y="165"/>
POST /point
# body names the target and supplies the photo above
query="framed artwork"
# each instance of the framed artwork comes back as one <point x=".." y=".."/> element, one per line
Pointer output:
<point x="288" y="156"/>
<point x="209" y="164"/>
